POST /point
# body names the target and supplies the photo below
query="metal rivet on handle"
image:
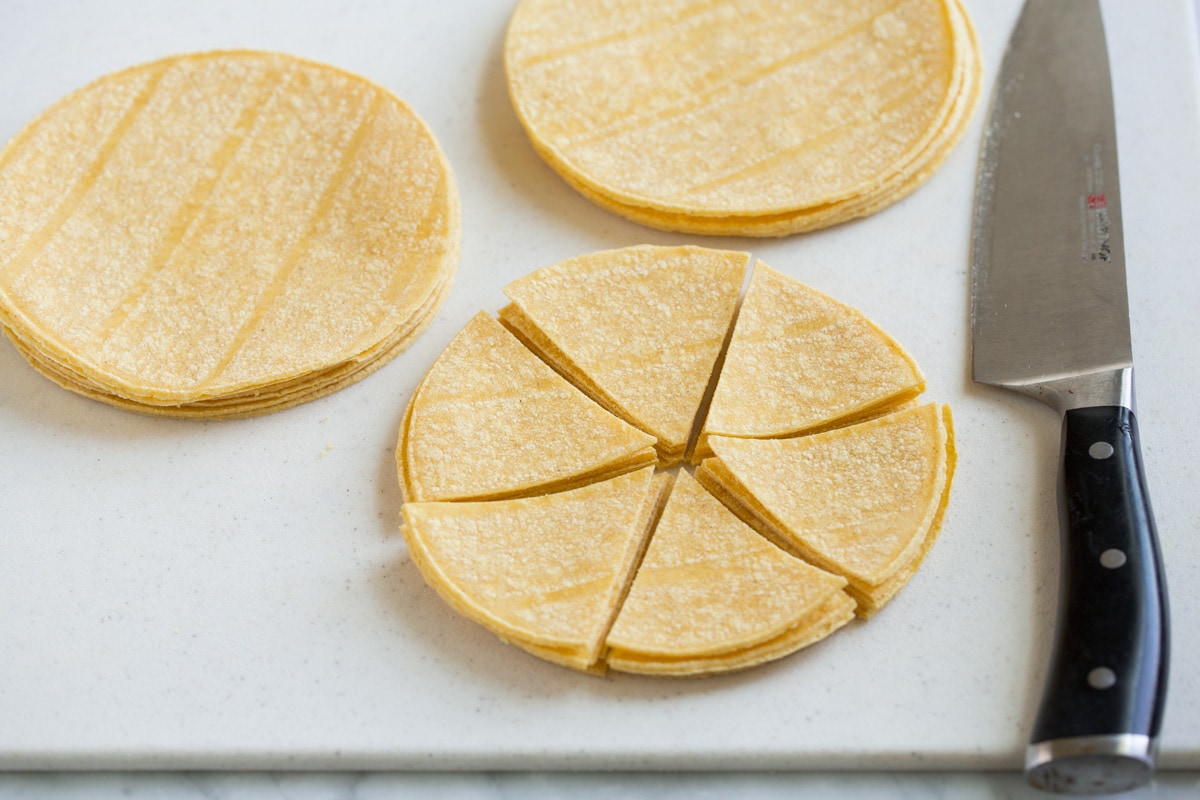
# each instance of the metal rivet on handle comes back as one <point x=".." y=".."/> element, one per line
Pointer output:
<point x="1112" y="558"/>
<point x="1100" y="450"/>
<point x="1102" y="678"/>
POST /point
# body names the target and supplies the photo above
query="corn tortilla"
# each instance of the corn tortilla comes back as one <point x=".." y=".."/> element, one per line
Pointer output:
<point x="491" y="420"/>
<point x="756" y="118"/>
<point x="546" y="573"/>
<point x="217" y="226"/>
<point x="862" y="501"/>
<point x="639" y="329"/>
<point x="711" y="592"/>
<point x="819" y="507"/>
<point x="800" y="360"/>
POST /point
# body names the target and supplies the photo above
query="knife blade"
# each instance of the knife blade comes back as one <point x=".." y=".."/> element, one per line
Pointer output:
<point x="1050" y="319"/>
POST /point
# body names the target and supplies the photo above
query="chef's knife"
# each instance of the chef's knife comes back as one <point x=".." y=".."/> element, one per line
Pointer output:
<point x="1050" y="319"/>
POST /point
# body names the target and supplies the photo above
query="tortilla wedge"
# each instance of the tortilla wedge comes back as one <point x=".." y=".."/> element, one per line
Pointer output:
<point x="864" y="501"/>
<point x="712" y="595"/>
<point x="490" y="420"/>
<point x="545" y="573"/>
<point x="638" y="329"/>
<point x="800" y="361"/>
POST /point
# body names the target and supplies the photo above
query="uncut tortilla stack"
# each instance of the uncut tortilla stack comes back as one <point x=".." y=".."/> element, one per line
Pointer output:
<point x="749" y="118"/>
<point x="222" y="234"/>
<point x="820" y="487"/>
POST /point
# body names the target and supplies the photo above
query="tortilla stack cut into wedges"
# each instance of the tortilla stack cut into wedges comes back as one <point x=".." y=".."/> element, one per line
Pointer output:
<point x="712" y="595"/>
<point x="638" y="329"/>
<point x="800" y="361"/>
<point x="759" y="118"/>
<point x="864" y="501"/>
<point x="222" y="234"/>
<point x="546" y="573"/>
<point x="491" y="420"/>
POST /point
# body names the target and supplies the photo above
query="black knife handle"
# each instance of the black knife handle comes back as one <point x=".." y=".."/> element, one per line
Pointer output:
<point x="1103" y="701"/>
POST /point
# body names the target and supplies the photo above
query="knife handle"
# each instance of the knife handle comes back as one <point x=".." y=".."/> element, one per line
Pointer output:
<point x="1103" y="700"/>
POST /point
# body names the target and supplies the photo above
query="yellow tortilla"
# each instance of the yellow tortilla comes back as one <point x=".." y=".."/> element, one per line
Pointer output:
<point x="892" y="188"/>
<point x="544" y="573"/>
<point x="192" y="234"/>
<point x="825" y="619"/>
<point x="799" y="360"/>
<point x="712" y="595"/>
<point x="821" y="505"/>
<point x="639" y="329"/>
<point x="863" y="501"/>
<point x="491" y="420"/>
<point x="251" y="402"/>
<point x="757" y="118"/>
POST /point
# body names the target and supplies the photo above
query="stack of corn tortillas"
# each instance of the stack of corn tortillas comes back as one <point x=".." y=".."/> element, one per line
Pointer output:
<point x="532" y="505"/>
<point x="748" y="117"/>
<point x="222" y="234"/>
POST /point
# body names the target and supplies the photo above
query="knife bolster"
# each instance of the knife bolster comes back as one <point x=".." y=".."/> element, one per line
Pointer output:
<point x="1106" y="388"/>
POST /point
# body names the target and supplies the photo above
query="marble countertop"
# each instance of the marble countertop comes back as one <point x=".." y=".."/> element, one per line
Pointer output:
<point x="548" y="786"/>
<point x="551" y="786"/>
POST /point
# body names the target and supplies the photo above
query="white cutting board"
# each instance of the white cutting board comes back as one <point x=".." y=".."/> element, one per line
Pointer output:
<point x="235" y="595"/>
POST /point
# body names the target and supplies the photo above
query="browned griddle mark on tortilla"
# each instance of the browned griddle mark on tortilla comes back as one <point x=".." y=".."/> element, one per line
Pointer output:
<point x="621" y="35"/>
<point x="832" y="134"/>
<point x="194" y="205"/>
<point x="71" y="199"/>
<point x="279" y="280"/>
<point x="686" y="105"/>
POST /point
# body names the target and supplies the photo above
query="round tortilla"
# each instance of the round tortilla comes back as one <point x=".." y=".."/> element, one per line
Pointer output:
<point x="756" y="118"/>
<point x="223" y="233"/>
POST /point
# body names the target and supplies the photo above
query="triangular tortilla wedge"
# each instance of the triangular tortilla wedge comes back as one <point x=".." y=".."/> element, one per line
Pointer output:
<point x="639" y="329"/>
<point x="828" y="617"/>
<point x="712" y="595"/>
<point x="491" y="420"/>
<point x="799" y="361"/>
<point x="544" y="573"/>
<point x="864" y="501"/>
